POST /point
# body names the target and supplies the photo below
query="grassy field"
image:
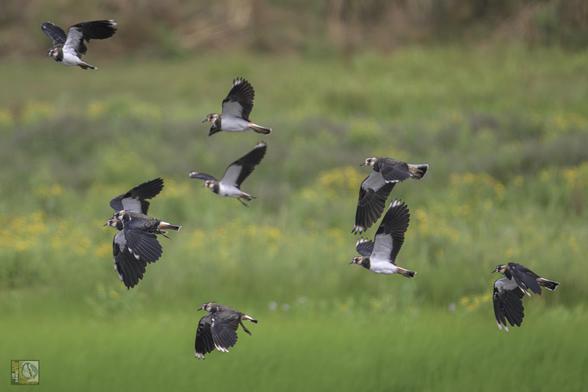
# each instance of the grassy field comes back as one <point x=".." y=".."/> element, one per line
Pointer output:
<point x="505" y="131"/>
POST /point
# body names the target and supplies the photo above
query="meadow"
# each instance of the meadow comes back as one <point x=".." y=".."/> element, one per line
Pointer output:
<point x="504" y="129"/>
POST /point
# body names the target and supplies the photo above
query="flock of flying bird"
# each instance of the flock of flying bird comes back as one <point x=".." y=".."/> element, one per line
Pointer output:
<point x="135" y="243"/>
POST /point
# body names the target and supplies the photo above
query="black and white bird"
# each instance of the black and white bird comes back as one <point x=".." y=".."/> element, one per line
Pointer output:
<point x="509" y="291"/>
<point x="218" y="329"/>
<point x="69" y="49"/>
<point x="135" y="244"/>
<point x="379" y="255"/>
<point x="376" y="187"/>
<point x="230" y="184"/>
<point x="236" y="109"/>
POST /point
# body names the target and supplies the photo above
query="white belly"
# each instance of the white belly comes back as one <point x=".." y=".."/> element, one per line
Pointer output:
<point x="70" y="59"/>
<point x="383" y="267"/>
<point x="234" y="124"/>
<point x="228" y="190"/>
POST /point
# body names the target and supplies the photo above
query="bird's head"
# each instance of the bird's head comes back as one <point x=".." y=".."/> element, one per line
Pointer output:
<point x="113" y="222"/>
<point x="357" y="260"/>
<point x="500" y="268"/>
<point x="369" y="162"/>
<point x="211" y="118"/>
<point x="53" y="52"/>
<point x="209" y="184"/>
<point x="208" y="307"/>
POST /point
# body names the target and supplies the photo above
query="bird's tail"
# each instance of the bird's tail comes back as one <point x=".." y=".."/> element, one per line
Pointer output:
<point x="406" y="273"/>
<point x="260" y="129"/>
<point x="247" y="317"/>
<point x="550" y="285"/>
<point x="246" y="196"/>
<point x="418" y="170"/>
<point x="169" y="226"/>
<point x="87" y="66"/>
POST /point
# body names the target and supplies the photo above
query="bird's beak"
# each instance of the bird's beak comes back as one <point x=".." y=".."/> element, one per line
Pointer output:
<point x="200" y="308"/>
<point x="205" y="119"/>
<point x="362" y="164"/>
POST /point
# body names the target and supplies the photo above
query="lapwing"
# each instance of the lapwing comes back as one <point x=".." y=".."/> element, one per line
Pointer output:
<point x="236" y="108"/>
<point x="135" y="244"/>
<point x="218" y="329"/>
<point x="69" y="49"/>
<point x="235" y="174"/>
<point x="376" y="187"/>
<point x="379" y="255"/>
<point x="509" y="291"/>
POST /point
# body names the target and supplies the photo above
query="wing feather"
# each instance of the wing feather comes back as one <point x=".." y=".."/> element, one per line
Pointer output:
<point x="54" y="32"/>
<point x="135" y="200"/>
<point x="239" y="101"/>
<point x="239" y="170"/>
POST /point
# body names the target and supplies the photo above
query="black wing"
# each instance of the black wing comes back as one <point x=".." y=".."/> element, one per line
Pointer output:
<point x="54" y="32"/>
<point x="85" y="31"/>
<point x="525" y="278"/>
<point x="135" y="200"/>
<point x="392" y="170"/>
<point x="390" y="235"/>
<point x="364" y="247"/>
<point x="142" y="245"/>
<point x="370" y="205"/>
<point x="201" y="176"/>
<point x="224" y="329"/>
<point x="239" y="101"/>
<point x="129" y="269"/>
<point x="508" y="303"/>
<point x="203" y="343"/>
<point x="239" y="170"/>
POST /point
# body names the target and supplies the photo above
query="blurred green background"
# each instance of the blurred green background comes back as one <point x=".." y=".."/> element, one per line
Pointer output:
<point x="492" y="94"/>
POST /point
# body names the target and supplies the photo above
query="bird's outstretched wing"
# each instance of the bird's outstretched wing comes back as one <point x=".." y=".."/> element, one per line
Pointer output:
<point x="129" y="269"/>
<point x="507" y="298"/>
<point x="201" y="176"/>
<point x="364" y="247"/>
<point x="203" y="343"/>
<point x="373" y="192"/>
<point x="135" y="200"/>
<point x="239" y="170"/>
<point x="54" y="32"/>
<point x="142" y="245"/>
<point x="239" y="101"/>
<point x="85" y="31"/>
<point x="390" y="235"/>
<point x="224" y="329"/>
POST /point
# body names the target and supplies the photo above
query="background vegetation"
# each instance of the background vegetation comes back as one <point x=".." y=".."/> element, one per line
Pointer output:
<point x="504" y="127"/>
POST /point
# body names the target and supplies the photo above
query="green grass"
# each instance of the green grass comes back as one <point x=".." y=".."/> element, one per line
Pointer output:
<point x="419" y="349"/>
<point x="504" y="130"/>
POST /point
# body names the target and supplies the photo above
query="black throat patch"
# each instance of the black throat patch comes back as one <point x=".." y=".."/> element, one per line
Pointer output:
<point x="59" y="57"/>
<point x="365" y="263"/>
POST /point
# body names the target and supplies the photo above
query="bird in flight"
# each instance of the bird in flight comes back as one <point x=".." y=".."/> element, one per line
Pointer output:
<point x="69" y="49"/>
<point x="379" y="255"/>
<point x="508" y="292"/>
<point x="376" y="187"/>
<point x="236" y="108"/>
<point x="230" y="184"/>
<point x="218" y="329"/>
<point x="135" y="244"/>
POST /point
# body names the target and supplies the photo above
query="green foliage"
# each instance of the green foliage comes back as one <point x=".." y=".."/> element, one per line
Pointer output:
<point x="504" y="131"/>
